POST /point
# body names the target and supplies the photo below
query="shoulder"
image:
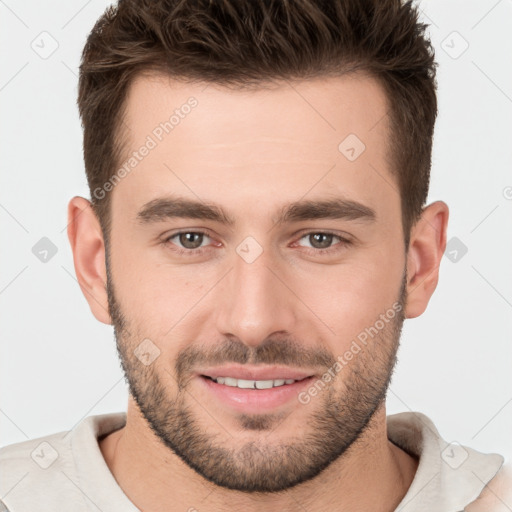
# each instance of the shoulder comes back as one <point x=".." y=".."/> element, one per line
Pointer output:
<point x="33" y="473"/>
<point x="464" y="478"/>
<point x="497" y="494"/>
<point x="45" y="473"/>
<point x="41" y="452"/>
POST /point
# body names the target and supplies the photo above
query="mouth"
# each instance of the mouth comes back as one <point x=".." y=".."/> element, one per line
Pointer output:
<point x="252" y="384"/>
<point x="254" y="390"/>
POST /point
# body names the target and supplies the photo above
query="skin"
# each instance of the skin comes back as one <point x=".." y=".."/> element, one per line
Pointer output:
<point x="252" y="152"/>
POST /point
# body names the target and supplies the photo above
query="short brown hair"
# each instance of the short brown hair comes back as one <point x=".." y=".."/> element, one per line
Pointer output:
<point x="243" y="43"/>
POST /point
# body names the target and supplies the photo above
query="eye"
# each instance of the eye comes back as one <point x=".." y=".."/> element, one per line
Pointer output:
<point x="321" y="241"/>
<point x="188" y="242"/>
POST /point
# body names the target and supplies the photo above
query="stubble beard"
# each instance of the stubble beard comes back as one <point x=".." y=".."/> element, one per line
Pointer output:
<point x="341" y="416"/>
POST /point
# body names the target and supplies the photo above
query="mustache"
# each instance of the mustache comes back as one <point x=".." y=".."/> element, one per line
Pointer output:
<point x="271" y="351"/>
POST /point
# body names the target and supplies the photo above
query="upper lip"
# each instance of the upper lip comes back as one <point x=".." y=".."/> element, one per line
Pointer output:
<point x="248" y="372"/>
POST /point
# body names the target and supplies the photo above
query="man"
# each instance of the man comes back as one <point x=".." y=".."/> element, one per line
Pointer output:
<point x="257" y="234"/>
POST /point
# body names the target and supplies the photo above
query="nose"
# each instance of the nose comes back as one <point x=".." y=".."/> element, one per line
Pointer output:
<point x="254" y="302"/>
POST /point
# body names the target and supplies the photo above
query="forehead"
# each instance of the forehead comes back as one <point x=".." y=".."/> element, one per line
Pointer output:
<point x="288" y="137"/>
<point x="326" y="108"/>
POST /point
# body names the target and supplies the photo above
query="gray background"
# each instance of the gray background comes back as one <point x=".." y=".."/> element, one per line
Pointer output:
<point x="58" y="364"/>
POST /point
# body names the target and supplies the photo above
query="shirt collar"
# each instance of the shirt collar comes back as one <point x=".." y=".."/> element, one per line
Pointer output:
<point x="449" y="475"/>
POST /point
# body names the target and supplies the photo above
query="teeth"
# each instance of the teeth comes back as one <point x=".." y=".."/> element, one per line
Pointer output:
<point x="246" y="384"/>
<point x="263" y="384"/>
<point x="252" y="384"/>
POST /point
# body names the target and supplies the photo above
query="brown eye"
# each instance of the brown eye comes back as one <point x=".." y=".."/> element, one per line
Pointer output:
<point x="323" y="242"/>
<point x="191" y="240"/>
<point x="187" y="242"/>
<point x="320" y="240"/>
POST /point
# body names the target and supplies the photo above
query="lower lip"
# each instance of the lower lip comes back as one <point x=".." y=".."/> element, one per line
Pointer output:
<point x="255" y="400"/>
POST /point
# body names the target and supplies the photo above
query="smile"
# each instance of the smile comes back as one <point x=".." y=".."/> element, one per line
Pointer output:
<point x="252" y="384"/>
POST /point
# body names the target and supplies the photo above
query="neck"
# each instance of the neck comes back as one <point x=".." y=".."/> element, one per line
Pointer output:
<point x="373" y="474"/>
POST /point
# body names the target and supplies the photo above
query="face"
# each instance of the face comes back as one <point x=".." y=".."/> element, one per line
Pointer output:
<point x="256" y="272"/>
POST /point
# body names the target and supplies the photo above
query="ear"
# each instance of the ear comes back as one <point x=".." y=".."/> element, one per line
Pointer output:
<point x="426" y="248"/>
<point x="87" y="244"/>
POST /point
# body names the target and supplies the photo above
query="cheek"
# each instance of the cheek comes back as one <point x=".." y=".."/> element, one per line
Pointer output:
<point x="350" y="298"/>
<point x="160" y="299"/>
<point x="153" y="295"/>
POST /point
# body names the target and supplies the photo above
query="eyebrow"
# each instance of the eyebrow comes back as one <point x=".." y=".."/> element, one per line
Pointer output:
<point x="165" y="208"/>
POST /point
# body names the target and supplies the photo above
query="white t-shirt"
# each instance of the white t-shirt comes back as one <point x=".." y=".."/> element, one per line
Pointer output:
<point x="67" y="472"/>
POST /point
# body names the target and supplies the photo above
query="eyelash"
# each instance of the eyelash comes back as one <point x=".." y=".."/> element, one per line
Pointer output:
<point x="343" y="242"/>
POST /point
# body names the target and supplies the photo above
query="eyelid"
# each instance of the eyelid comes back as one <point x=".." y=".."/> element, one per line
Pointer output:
<point x="346" y="237"/>
<point x="325" y="231"/>
<point x="344" y="241"/>
<point x="167" y="238"/>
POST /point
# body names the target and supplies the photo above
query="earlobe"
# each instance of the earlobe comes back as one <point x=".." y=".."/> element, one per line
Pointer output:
<point x="426" y="248"/>
<point x="87" y="244"/>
